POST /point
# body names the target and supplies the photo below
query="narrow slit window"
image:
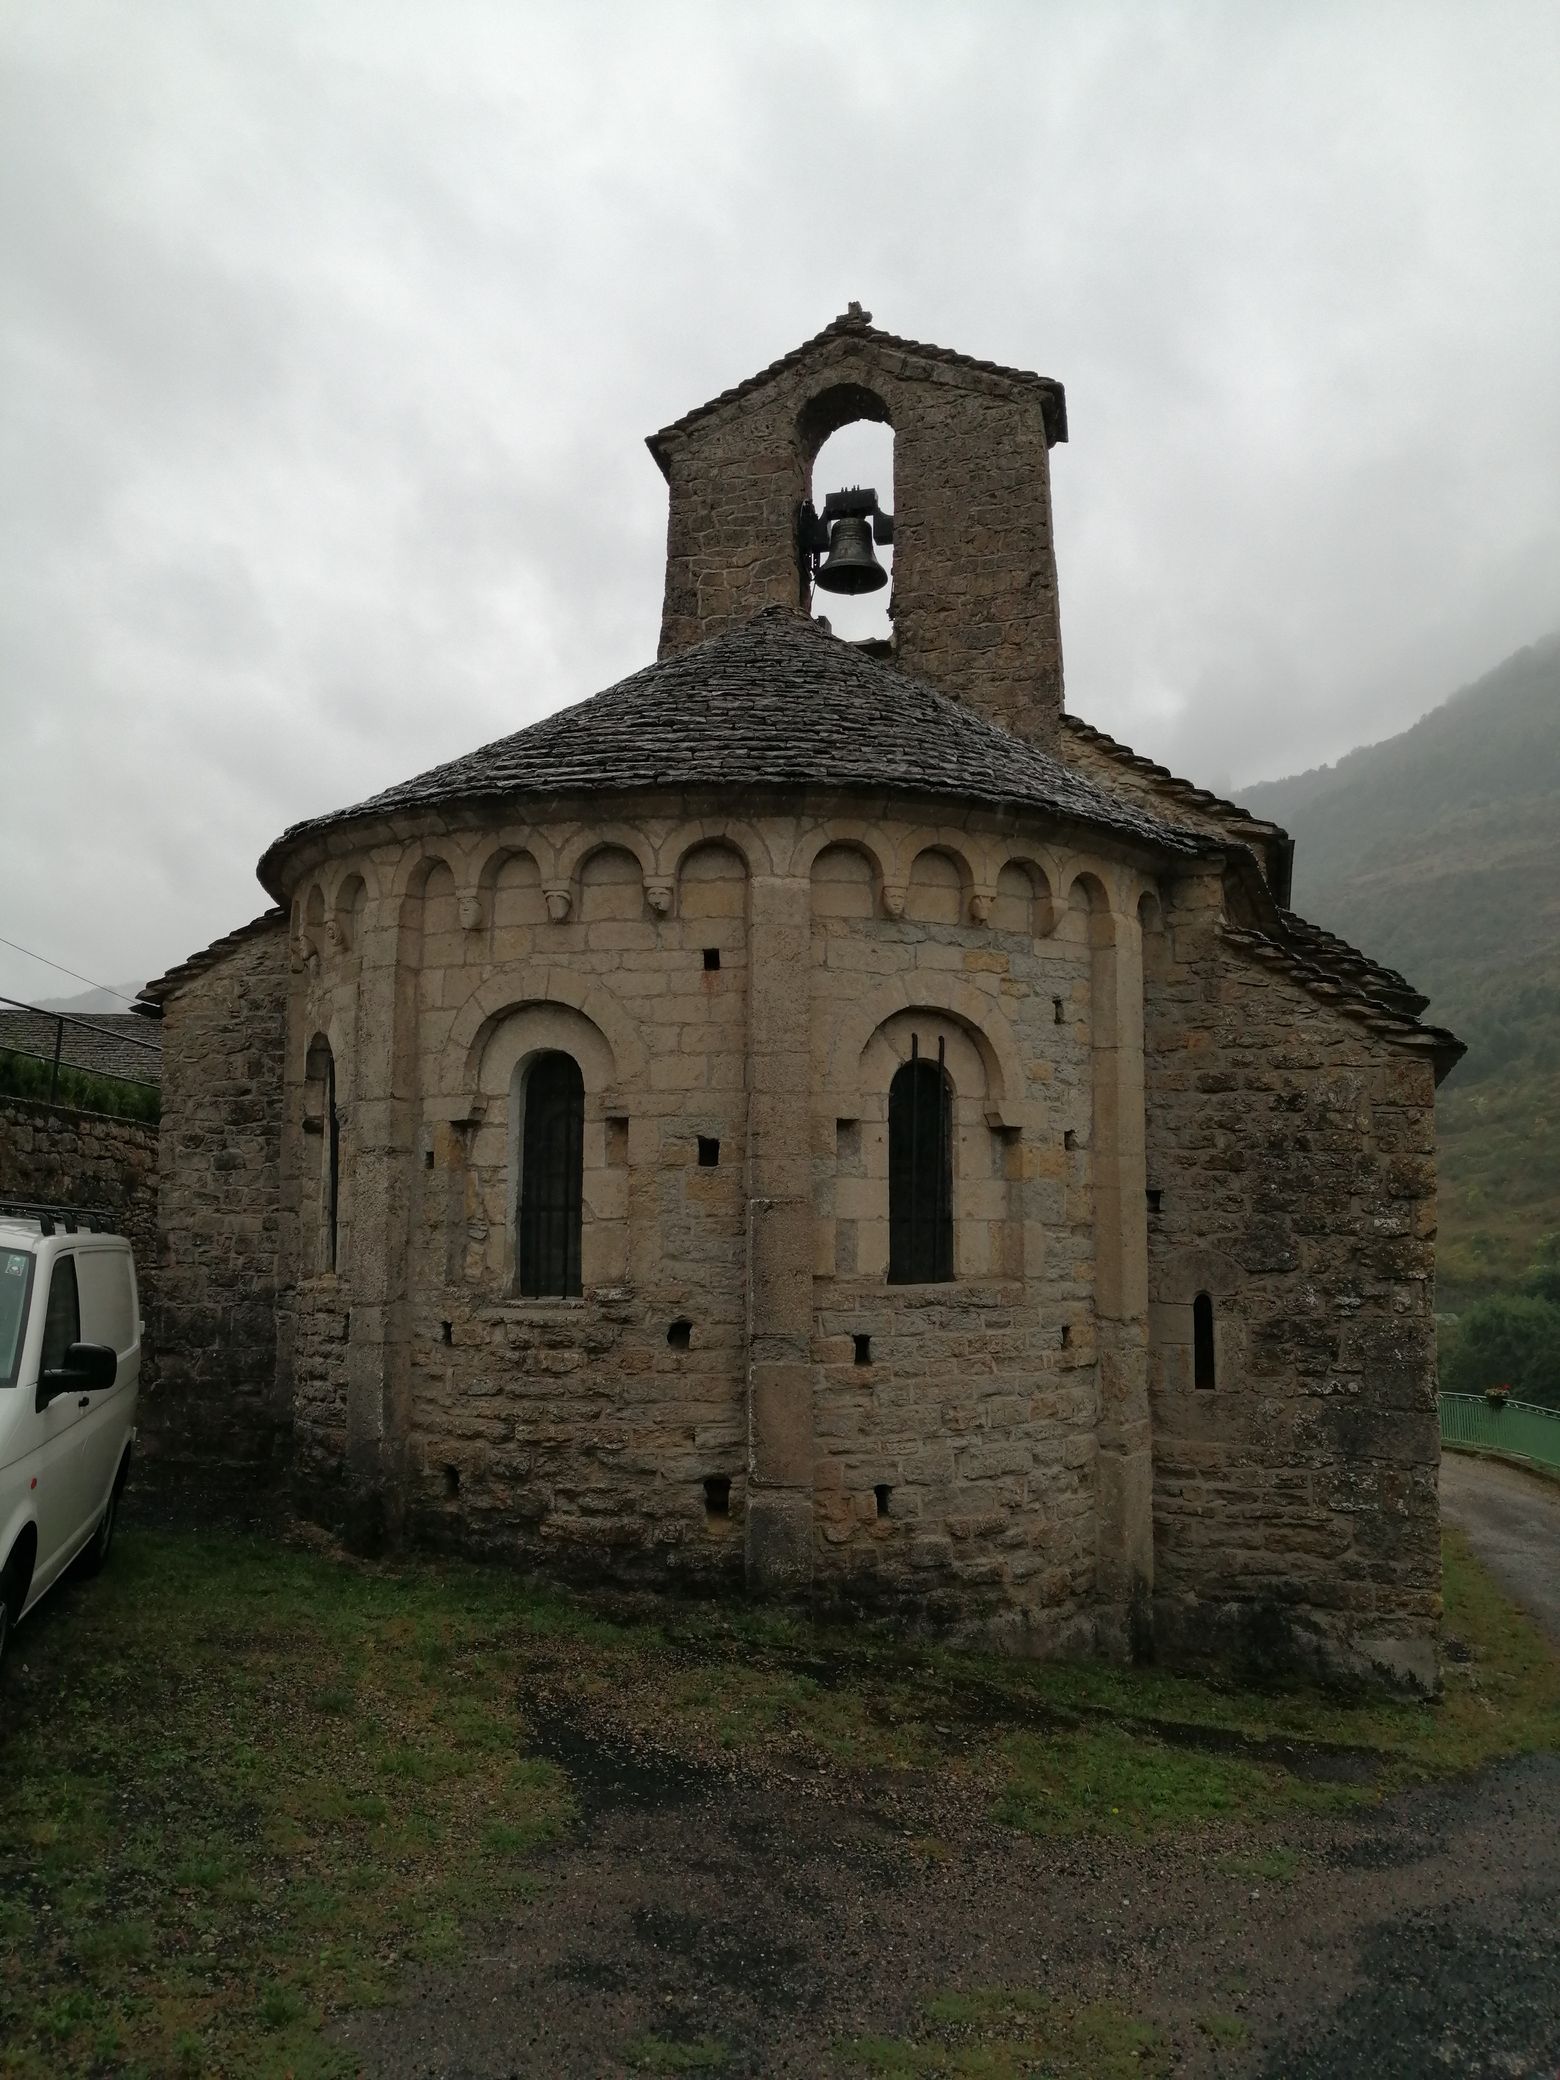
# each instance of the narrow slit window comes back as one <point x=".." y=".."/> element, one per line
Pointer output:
<point x="332" y="1161"/>
<point x="920" y="1172"/>
<point x="551" y="1178"/>
<point x="320" y="1069"/>
<point x="1204" y="1368"/>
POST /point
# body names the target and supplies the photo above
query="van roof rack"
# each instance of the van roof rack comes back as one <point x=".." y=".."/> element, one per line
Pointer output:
<point x="69" y="1219"/>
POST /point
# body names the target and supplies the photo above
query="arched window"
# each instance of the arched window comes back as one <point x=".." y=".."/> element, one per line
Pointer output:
<point x="1204" y="1371"/>
<point x="551" y="1176"/>
<point x="920" y="1172"/>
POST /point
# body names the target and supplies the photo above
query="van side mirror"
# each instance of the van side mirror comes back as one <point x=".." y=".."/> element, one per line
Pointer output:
<point x="88" y="1368"/>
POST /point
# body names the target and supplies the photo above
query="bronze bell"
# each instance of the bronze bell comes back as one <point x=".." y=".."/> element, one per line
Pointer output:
<point x="850" y="565"/>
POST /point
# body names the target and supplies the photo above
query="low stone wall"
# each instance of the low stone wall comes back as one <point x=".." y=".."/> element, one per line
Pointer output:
<point x="89" y="1159"/>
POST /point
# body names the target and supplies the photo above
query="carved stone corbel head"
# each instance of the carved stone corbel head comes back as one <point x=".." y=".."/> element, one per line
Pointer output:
<point x="559" y="901"/>
<point x="893" y="899"/>
<point x="469" y="911"/>
<point x="658" y="894"/>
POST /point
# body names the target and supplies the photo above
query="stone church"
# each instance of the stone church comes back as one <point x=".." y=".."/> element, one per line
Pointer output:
<point x="820" y="1116"/>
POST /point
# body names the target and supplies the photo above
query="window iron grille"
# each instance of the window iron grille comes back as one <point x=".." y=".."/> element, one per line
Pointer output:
<point x="552" y="1156"/>
<point x="920" y="1170"/>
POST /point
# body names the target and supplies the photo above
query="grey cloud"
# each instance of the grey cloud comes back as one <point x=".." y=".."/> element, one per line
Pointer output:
<point x="331" y="337"/>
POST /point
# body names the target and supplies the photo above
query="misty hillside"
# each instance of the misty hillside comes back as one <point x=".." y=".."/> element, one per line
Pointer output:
<point x="90" y="1001"/>
<point x="1438" y="851"/>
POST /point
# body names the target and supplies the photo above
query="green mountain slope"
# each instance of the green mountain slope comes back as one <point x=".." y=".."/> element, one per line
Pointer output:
<point x="1438" y="852"/>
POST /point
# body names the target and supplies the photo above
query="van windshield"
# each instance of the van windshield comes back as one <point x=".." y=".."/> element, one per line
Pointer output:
<point x="15" y="1284"/>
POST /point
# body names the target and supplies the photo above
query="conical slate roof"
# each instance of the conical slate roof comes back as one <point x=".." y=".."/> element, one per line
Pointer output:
<point x="777" y="702"/>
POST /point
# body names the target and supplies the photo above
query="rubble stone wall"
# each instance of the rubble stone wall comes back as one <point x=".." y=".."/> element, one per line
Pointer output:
<point x="54" y="1152"/>
<point x="1295" y="1499"/>
<point x="220" y="1209"/>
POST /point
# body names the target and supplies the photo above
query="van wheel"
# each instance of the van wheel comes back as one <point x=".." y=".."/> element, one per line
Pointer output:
<point x="94" y="1556"/>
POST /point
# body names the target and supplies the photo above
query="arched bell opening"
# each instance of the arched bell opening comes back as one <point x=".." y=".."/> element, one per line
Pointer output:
<point x="851" y="493"/>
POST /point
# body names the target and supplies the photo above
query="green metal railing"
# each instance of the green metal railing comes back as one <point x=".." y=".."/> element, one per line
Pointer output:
<point x="1518" y="1429"/>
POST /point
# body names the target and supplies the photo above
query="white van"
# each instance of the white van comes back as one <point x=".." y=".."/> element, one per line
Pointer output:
<point x="70" y="1363"/>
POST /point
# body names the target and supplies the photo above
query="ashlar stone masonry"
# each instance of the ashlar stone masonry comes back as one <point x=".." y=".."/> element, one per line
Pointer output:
<point x="818" y="1120"/>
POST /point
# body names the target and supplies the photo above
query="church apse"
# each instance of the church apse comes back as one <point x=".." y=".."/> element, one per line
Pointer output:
<point x="801" y="1128"/>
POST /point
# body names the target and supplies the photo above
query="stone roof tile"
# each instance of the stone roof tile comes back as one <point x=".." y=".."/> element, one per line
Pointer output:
<point x="106" y="1043"/>
<point x="778" y="702"/>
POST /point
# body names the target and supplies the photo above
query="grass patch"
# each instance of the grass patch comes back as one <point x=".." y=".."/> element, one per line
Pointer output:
<point x="1102" y="1780"/>
<point x="665" y="2055"/>
<point x="238" y="1789"/>
<point x="1273" y="1866"/>
<point x="1227" y="2030"/>
<point x="997" y="2033"/>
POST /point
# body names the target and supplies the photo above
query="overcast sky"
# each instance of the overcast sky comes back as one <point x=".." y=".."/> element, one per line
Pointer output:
<point x="330" y="333"/>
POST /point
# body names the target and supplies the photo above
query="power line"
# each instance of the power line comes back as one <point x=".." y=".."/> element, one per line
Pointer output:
<point x="71" y="972"/>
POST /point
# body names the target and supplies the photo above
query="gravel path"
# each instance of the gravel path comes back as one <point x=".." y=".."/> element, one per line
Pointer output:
<point x="766" y="1915"/>
<point x="763" y="1917"/>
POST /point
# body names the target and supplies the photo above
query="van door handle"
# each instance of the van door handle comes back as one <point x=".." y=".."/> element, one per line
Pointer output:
<point x="85" y="1401"/>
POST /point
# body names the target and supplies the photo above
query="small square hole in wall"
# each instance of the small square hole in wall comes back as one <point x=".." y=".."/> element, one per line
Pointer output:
<point x="882" y="1492"/>
<point x="1056" y="1010"/>
<point x="427" y="1158"/>
<point x="1155" y="1199"/>
<point x="1069" y="1139"/>
<point x="717" y="1494"/>
<point x="680" y="1334"/>
<point x="1067" y="1336"/>
<point x="711" y="959"/>
<point x="451" y="1483"/>
<point x="446" y="1332"/>
<point x="863" y="1349"/>
<point x="709" y="1151"/>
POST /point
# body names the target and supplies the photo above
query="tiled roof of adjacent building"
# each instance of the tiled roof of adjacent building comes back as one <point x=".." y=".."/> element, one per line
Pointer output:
<point x="856" y="324"/>
<point x="777" y="702"/>
<point x="106" y="1043"/>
